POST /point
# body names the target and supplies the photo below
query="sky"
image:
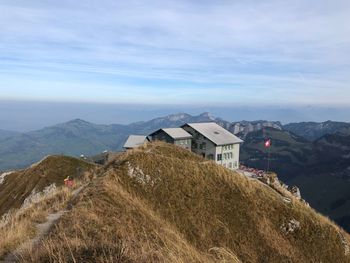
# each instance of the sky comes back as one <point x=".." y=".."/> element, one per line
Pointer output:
<point x="291" y="52"/>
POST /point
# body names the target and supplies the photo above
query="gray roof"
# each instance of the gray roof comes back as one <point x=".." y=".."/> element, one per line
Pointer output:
<point x="215" y="133"/>
<point x="177" y="133"/>
<point x="134" y="141"/>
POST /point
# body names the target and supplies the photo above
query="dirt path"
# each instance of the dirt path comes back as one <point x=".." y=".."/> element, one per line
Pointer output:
<point x="42" y="230"/>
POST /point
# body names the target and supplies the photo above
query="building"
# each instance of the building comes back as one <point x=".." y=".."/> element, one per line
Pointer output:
<point x="208" y="139"/>
<point x="177" y="136"/>
<point x="135" y="141"/>
<point x="215" y="143"/>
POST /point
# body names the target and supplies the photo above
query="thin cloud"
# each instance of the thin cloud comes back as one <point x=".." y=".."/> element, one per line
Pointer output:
<point x="166" y="47"/>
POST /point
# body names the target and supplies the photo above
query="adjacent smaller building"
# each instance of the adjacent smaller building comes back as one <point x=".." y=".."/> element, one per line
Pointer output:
<point x="177" y="136"/>
<point x="135" y="141"/>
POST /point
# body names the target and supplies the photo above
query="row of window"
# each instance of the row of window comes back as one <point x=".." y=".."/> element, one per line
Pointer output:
<point x="228" y="147"/>
<point x="230" y="164"/>
<point x="184" y="142"/>
<point x="226" y="156"/>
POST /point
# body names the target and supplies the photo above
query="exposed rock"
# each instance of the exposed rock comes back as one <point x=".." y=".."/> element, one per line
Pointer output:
<point x="290" y="227"/>
<point x="345" y="243"/>
<point x="139" y="175"/>
<point x="295" y="191"/>
<point x="3" y="175"/>
<point x="287" y="200"/>
<point x="5" y="219"/>
<point x="35" y="197"/>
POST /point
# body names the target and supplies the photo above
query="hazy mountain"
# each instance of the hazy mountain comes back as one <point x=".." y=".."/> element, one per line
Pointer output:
<point x="5" y="134"/>
<point x="315" y="130"/>
<point x="80" y="137"/>
<point x="32" y="115"/>
<point x="242" y="128"/>
<point x="166" y="204"/>
<point x="72" y="138"/>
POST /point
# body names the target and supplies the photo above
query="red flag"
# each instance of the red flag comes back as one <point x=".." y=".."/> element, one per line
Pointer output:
<point x="268" y="143"/>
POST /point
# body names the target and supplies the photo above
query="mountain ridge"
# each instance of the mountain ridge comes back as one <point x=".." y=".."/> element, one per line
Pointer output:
<point x="78" y="136"/>
<point x="327" y="157"/>
<point x="161" y="203"/>
<point x="315" y="130"/>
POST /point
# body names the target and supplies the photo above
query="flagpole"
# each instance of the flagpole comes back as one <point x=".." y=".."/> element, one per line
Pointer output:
<point x="268" y="159"/>
<point x="268" y="146"/>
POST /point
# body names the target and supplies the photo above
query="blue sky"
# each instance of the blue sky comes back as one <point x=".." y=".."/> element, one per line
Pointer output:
<point x="291" y="52"/>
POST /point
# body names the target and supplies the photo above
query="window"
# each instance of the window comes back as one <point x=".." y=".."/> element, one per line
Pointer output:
<point x="219" y="157"/>
<point x="231" y="155"/>
<point x="230" y="165"/>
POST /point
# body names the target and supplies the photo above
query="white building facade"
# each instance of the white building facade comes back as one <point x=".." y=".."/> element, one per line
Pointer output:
<point x="213" y="142"/>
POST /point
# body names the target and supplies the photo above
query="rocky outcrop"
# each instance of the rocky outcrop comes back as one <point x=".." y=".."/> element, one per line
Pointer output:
<point x="290" y="227"/>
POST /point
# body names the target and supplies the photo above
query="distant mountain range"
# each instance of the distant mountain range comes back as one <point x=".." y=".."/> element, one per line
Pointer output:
<point x="315" y="130"/>
<point x="76" y="137"/>
<point x="314" y="156"/>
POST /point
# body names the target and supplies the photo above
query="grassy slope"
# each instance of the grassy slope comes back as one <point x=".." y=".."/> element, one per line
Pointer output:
<point x="176" y="207"/>
<point x="20" y="225"/>
<point x="18" y="185"/>
<point x="310" y="166"/>
<point x="328" y="194"/>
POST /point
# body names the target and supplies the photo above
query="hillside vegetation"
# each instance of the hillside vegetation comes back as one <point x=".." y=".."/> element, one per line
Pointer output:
<point x="319" y="168"/>
<point x="18" y="186"/>
<point x="164" y="204"/>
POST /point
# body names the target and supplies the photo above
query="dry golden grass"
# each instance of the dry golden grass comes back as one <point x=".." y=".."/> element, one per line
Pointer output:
<point x="51" y="170"/>
<point x="160" y="203"/>
<point x="110" y="225"/>
<point x="21" y="224"/>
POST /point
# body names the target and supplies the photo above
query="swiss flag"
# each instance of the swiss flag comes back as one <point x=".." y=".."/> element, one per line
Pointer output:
<point x="268" y="143"/>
